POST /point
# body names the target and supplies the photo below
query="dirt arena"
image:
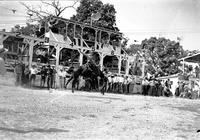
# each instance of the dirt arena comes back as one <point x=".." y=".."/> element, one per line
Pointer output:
<point x="40" y="114"/>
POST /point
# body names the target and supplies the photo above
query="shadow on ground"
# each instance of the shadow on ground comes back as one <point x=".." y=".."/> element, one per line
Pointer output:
<point x="40" y="130"/>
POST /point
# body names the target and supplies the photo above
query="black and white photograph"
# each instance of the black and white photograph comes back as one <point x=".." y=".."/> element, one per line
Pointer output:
<point x="99" y="70"/>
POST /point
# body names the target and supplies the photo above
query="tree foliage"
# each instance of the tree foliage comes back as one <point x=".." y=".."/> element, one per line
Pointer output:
<point x="89" y="7"/>
<point x="29" y="29"/>
<point x="161" y="55"/>
<point x="52" y="7"/>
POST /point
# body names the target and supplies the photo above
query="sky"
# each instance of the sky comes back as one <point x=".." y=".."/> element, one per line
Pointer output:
<point x="137" y="19"/>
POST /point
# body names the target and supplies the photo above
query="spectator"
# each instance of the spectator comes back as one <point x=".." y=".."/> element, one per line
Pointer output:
<point x="62" y="75"/>
<point x="145" y="84"/>
<point x="18" y="72"/>
<point x="49" y="77"/>
<point x="125" y="85"/>
<point x="43" y="74"/>
<point x="33" y="72"/>
<point x="26" y="75"/>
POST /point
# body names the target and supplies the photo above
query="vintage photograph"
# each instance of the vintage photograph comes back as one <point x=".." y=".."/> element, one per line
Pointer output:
<point x="99" y="70"/>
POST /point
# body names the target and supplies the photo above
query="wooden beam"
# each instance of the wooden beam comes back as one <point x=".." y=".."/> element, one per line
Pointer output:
<point x="94" y="27"/>
<point x="127" y="66"/>
<point x="21" y="36"/>
<point x="58" y="48"/>
<point x="119" y="64"/>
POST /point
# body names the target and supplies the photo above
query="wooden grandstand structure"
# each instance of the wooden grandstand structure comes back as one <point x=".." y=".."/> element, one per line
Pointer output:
<point x="79" y="37"/>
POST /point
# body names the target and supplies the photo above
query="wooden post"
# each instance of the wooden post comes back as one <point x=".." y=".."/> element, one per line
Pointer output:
<point x="183" y="66"/>
<point x="80" y="54"/>
<point x="119" y="64"/>
<point x="143" y="68"/>
<point x="31" y="45"/>
<point x="80" y="58"/>
<point x="109" y="34"/>
<point x="58" y="48"/>
<point x="127" y="66"/>
<point x="95" y="45"/>
<point x="100" y="37"/>
<point x="66" y="29"/>
<point x="74" y="30"/>
<point x="81" y="37"/>
<point x="101" y="61"/>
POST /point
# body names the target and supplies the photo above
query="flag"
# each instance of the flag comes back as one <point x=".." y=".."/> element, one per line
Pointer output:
<point x="179" y="38"/>
<point x="95" y="16"/>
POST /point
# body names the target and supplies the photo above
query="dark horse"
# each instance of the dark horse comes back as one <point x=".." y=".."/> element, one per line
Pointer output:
<point x="88" y="70"/>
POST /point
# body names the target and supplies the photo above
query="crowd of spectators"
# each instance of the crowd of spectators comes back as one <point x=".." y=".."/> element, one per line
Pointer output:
<point x="46" y="78"/>
<point x="183" y="88"/>
<point x="154" y="87"/>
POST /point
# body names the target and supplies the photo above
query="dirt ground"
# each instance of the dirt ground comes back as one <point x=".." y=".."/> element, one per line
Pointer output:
<point x="40" y="114"/>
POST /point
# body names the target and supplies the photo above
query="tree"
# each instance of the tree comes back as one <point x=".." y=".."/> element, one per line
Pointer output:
<point x="161" y="55"/>
<point x="133" y="49"/>
<point x="39" y="13"/>
<point x="29" y="29"/>
<point x="107" y="13"/>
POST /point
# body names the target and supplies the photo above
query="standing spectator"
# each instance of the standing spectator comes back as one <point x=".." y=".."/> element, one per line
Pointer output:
<point x="49" y="77"/>
<point x="33" y="72"/>
<point x="159" y="88"/>
<point x="61" y="75"/>
<point x="120" y="83"/>
<point x="129" y="80"/>
<point x="145" y="84"/>
<point x="26" y="75"/>
<point x="18" y="72"/>
<point x="124" y="85"/>
<point x="54" y="77"/>
<point x="2" y="63"/>
<point x="43" y="74"/>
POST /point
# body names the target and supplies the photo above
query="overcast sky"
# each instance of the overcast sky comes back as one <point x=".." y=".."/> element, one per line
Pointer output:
<point x="137" y="19"/>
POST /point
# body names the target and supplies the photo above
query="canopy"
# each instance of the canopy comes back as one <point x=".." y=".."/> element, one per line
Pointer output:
<point x="53" y="37"/>
<point x="194" y="58"/>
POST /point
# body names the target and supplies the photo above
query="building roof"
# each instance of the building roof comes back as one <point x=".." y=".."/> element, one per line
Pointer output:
<point x="89" y="26"/>
<point x="194" y="58"/>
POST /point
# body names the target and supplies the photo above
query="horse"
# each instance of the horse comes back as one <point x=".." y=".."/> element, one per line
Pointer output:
<point x="88" y="70"/>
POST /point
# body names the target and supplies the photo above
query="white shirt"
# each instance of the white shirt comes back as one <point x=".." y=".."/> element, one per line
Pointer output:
<point x="121" y="79"/>
<point x="33" y="70"/>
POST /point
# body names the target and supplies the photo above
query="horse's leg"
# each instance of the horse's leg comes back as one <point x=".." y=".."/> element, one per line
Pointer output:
<point x="73" y="85"/>
<point x="104" y="86"/>
<point x="96" y="84"/>
<point x="68" y="81"/>
<point x="78" y="84"/>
